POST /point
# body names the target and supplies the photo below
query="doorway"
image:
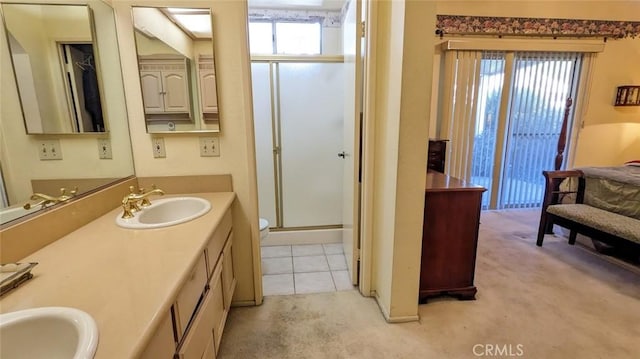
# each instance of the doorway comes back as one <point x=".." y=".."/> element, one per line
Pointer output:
<point x="81" y="85"/>
<point x="305" y="118"/>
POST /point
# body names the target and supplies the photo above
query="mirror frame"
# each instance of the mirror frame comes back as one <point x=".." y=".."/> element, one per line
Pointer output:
<point x="195" y="70"/>
<point x="97" y="60"/>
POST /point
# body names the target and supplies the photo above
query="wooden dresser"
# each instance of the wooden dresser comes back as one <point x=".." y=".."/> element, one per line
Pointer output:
<point x="436" y="154"/>
<point x="449" y="237"/>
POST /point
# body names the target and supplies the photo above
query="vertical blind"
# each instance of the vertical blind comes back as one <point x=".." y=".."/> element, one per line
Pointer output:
<point x="502" y="111"/>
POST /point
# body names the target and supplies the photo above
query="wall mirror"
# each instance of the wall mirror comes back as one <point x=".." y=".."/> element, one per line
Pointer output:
<point x="22" y="172"/>
<point x="177" y="69"/>
<point x="56" y="66"/>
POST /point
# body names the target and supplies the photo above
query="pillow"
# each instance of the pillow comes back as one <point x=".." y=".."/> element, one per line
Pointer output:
<point x="635" y="163"/>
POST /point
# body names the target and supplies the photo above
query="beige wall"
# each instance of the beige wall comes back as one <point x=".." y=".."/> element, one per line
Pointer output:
<point x="611" y="135"/>
<point x="237" y="155"/>
<point x="403" y="92"/>
<point x="19" y="152"/>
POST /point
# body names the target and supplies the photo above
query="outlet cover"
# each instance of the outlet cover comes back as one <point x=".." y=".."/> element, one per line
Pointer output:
<point x="209" y="147"/>
<point x="158" y="147"/>
<point x="104" y="149"/>
<point x="49" y="150"/>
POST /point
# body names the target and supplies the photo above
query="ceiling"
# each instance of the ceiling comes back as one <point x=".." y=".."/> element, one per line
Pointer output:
<point x="298" y="4"/>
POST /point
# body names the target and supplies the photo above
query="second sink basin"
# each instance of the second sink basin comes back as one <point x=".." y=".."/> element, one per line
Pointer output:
<point x="166" y="212"/>
<point x="48" y="332"/>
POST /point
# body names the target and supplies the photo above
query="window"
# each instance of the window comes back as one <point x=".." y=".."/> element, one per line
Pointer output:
<point x="292" y="38"/>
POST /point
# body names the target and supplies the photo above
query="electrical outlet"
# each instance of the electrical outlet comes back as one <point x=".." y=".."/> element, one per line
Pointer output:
<point x="209" y="147"/>
<point x="158" y="147"/>
<point x="50" y="150"/>
<point x="104" y="149"/>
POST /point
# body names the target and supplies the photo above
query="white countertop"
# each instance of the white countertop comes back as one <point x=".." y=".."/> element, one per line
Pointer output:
<point x="125" y="279"/>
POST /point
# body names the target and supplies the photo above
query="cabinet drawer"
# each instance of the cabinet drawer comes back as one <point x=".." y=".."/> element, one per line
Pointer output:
<point x="190" y="295"/>
<point x="200" y="333"/>
<point x="217" y="240"/>
<point x="228" y="275"/>
<point x="162" y="344"/>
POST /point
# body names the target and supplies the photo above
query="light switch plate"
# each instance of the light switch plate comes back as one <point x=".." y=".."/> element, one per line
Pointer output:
<point x="104" y="149"/>
<point x="49" y="150"/>
<point x="158" y="147"/>
<point x="209" y="147"/>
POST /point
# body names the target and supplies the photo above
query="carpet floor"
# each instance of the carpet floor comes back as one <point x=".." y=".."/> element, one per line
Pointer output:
<point x="558" y="301"/>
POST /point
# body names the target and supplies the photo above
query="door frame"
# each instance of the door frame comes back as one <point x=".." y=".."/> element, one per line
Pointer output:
<point x="368" y="148"/>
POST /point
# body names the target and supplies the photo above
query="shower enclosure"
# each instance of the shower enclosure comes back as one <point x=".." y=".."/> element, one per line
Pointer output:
<point x="298" y="106"/>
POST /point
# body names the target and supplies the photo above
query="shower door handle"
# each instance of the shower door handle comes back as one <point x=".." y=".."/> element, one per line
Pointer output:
<point x="342" y="154"/>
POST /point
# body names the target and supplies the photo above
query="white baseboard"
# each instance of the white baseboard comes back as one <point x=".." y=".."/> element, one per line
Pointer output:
<point x="394" y="319"/>
<point x="315" y="236"/>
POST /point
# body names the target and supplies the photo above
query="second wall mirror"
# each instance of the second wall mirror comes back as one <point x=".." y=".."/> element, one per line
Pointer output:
<point x="54" y="55"/>
<point x="177" y="69"/>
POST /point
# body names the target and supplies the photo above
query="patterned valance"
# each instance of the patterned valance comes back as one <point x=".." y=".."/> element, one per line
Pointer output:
<point x="326" y="18"/>
<point x="527" y="26"/>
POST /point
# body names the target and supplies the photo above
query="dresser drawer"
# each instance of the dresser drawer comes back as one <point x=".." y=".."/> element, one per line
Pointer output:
<point x="190" y="295"/>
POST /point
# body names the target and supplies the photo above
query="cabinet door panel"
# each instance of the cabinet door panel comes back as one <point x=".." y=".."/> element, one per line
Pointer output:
<point x="190" y="295"/>
<point x="151" y="82"/>
<point x="228" y="275"/>
<point x="162" y="345"/>
<point x="196" y="341"/>
<point x="208" y="92"/>
<point x="176" y="92"/>
<point x="217" y="302"/>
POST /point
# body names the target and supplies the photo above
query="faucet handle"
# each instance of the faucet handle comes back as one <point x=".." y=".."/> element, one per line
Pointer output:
<point x="73" y="192"/>
<point x="145" y="201"/>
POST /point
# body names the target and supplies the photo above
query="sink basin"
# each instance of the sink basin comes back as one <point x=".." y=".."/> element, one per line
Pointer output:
<point x="48" y="332"/>
<point x="166" y="212"/>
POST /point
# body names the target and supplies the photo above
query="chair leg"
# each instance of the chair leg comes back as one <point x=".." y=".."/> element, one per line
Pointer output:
<point x="542" y="228"/>
<point x="549" y="229"/>
<point x="572" y="236"/>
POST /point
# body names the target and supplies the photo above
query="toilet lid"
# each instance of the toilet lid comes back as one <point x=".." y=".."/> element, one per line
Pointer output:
<point x="264" y="224"/>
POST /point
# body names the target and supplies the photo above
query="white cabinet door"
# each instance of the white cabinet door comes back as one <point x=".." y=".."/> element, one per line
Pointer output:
<point x="152" y="96"/>
<point x="176" y="91"/>
<point x="208" y="93"/>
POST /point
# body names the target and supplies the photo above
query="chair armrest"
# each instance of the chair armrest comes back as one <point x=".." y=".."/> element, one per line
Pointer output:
<point x="552" y="190"/>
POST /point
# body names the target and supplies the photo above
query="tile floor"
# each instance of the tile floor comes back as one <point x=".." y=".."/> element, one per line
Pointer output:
<point x="309" y="268"/>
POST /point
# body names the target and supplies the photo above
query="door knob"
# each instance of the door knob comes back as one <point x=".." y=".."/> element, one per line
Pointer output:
<point x="342" y="154"/>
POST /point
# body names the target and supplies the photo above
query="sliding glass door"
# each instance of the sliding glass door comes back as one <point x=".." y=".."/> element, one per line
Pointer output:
<point x="504" y="120"/>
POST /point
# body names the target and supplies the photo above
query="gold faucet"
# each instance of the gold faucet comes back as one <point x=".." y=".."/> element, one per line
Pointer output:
<point x="133" y="201"/>
<point x="46" y="200"/>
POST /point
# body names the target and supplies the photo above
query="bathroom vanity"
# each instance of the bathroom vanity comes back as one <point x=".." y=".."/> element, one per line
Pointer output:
<point x="154" y="293"/>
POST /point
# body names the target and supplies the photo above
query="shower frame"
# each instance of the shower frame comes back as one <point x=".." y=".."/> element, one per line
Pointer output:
<point x="276" y="134"/>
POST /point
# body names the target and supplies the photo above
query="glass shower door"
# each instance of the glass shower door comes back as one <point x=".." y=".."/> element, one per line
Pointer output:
<point x="311" y="124"/>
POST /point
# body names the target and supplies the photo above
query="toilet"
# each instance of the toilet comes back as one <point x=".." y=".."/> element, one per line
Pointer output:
<point x="264" y="228"/>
